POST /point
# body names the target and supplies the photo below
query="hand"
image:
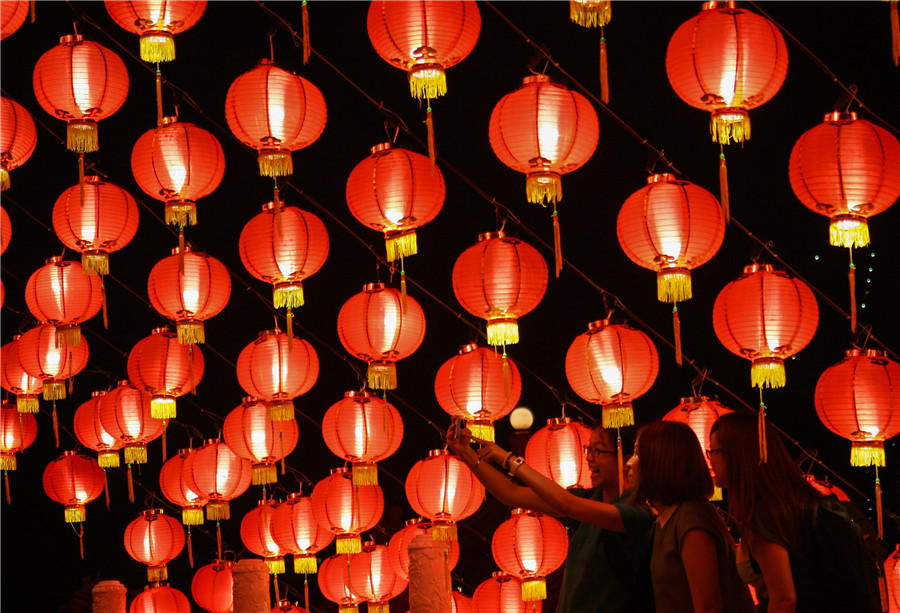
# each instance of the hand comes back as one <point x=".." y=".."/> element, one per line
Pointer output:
<point x="491" y="452"/>
<point x="460" y="443"/>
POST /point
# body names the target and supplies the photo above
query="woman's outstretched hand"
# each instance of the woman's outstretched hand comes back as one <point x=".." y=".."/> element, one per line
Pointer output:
<point x="491" y="452"/>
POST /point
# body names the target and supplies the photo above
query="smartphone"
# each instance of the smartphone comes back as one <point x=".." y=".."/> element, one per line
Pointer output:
<point x="455" y="427"/>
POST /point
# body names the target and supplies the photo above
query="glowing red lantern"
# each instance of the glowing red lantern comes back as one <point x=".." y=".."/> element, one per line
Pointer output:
<point x="857" y="399"/>
<point x="671" y="226"/>
<point x="849" y="170"/>
<point x="173" y="485"/>
<point x="178" y="163"/>
<point x="256" y="534"/>
<point x="275" y="112"/>
<point x="443" y="489"/>
<point x="727" y="61"/>
<point x="590" y="13"/>
<point x="43" y="358"/>
<point x="277" y="369"/>
<point x="159" y="599"/>
<point x="5" y="230"/>
<point x="156" y="21"/>
<point x="699" y="413"/>
<point x="154" y="539"/>
<point x="60" y="294"/>
<point x="73" y="479"/>
<point x="297" y="531"/>
<point x="90" y="432"/>
<point x="530" y="546"/>
<point x="612" y="364"/>
<point x="380" y="325"/>
<point x="286" y="254"/>
<point x="80" y="82"/>
<point x="105" y="220"/>
<point x="424" y="38"/>
<point x="373" y="579"/>
<point x="480" y="386"/>
<point x="766" y="316"/>
<point x="346" y="509"/>
<point x="460" y="603"/>
<point x="212" y="586"/>
<point x="500" y="279"/>
<point x="16" y="381"/>
<point x="12" y="16"/>
<point x="251" y="435"/>
<point x="165" y="369"/>
<point x="827" y="489"/>
<point x="334" y="583"/>
<point x="395" y="191"/>
<point x="892" y="576"/>
<point x="363" y="429"/>
<point x="216" y="473"/>
<point x="18" y="135"/>
<point x="285" y="606"/>
<point x="125" y="414"/>
<point x="17" y="432"/>
<point x="502" y="593"/>
<point x="398" y="547"/>
<point x="557" y="452"/>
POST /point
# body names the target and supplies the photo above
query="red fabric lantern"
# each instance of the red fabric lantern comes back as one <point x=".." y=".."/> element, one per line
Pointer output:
<point x="765" y="316"/>
<point x="257" y="536"/>
<point x="125" y="414"/>
<point x="424" y="38"/>
<point x="18" y="135"/>
<point x="91" y="433"/>
<point x="73" y="479"/>
<point x="42" y="358"/>
<point x="173" y="485"/>
<point x="557" y="452"/>
<point x="80" y="82"/>
<point x="165" y="369"/>
<point x="892" y="576"/>
<point x="346" y="509"/>
<point x="275" y="112"/>
<point x="178" y="163"/>
<point x="286" y="254"/>
<point x="612" y="364"/>
<point x="398" y="547"/>
<point x="363" y="429"/>
<point x="12" y="16"/>
<point x="216" y="473"/>
<point x="671" y="226"/>
<point x="154" y="539"/>
<point x="480" y="386"/>
<point x="189" y="287"/>
<point x="500" y="279"/>
<point x="530" y="545"/>
<point x="727" y="61"/>
<point x="590" y="13"/>
<point x="373" y="579"/>
<point x="334" y="583"/>
<point x="156" y="21"/>
<point x="17" y="432"/>
<point x="104" y="221"/>
<point x="160" y="599"/>
<point x="827" y="489"/>
<point x="395" y="191"/>
<point x="285" y="606"/>
<point x="380" y="325"/>
<point x="297" y="531"/>
<point x="502" y="593"/>
<point x="277" y="370"/>
<point x="60" y="294"/>
<point x="251" y="435"/>
<point x="212" y="586"/>
<point x="857" y="399"/>
<point x="460" y="603"/>
<point x="545" y="130"/>
<point x="16" y="381"/>
<point x="700" y="413"/>
<point x="443" y="489"/>
<point x="5" y="230"/>
<point x="848" y="169"/>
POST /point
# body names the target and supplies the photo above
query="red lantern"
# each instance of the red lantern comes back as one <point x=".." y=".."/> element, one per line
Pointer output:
<point x="590" y="13"/>
<point x="60" y="294"/>
<point x="297" y="531"/>
<point x="216" y="473"/>
<point x="612" y="364"/>
<point x="80" y="82"/>
<point x="178" y="163"/>
<point x="461" y="604"/>
<point x="286" y="254"/>
<point x="765" y="316"/>
<point x="73" y="479"/>
<point x="545" y="130"/>
<point x="480" y="386"/>
<point x="827" y="489"/>
<point x="165" y="369"/>
<point x="105" y="220"/>
<point x="443" y="489"/>
<point x="334" y="583"/>
<point x="398" y="547"/>
<point x="16" y="381"/>
<point x="12" y="16"/>
<point x="380" y="325"/>
<point x="373" y="579"/>
<point x="857" y="399"/>
<point x="671" y="226"/>
<point x="156" y="21"/>
<point x="173" y="485"/>
<point x="18" y="135"/>
<point x="154" y="539"/>
<point x="275" y="112"/>
<point x="502" y="593"/>
<point x="17" y="432"/>
<point x="424" y="38"/>
<point x="700" y="413"/>
<point x="91" y="433"/>
<point x="346" y="509"/>
<point x="271" y="369"/>
<point x="727" y="61"/>
<point x="363" y="429"/>
<point x="212" y="586"/>
<point x="285" y="606"/>
<point x="557" y="452"/>
<point x="500" y="279"/>
<point x="257" y="536"/>
<point x="160" y="599"/>
<point x="892" y="576"/>
<point x="5" y="230"/>
<point x="848" y="169"/>
<point x="395" y="191"/>
<point x="125" y="413"/>
<point x="43" y="358"/>
<point x="530" y="545"/>
<point x="251" y="435"/>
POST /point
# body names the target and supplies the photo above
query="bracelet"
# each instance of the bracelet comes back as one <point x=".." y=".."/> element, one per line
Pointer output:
<point x="515" y="465"/>
<point x="509" y="456"/>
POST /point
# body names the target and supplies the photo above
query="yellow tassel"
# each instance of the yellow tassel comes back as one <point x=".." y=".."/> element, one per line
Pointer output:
<point x="81" y="179"/>
<point x="348" y="543"/>
<point x="192" y="516"/>
<point x="81" y="135"/>
<point x="307" y="50"/>
<point x="95" y="261"/>
<point x="717" y="493"/>
<point x="287" y="294"/>
<point x="590" y="13"/>
<point x="895" y="33"/>
<point x="276" y="566"/>
<point x="157" y="46"/>
<point x="162" y="407"/>
<point x="620" y="459"/>
<point x="534" y="588"/>
<point x="55" y="426"/>
<point x="443" y="531"/>
<point x="190" y="545"/>
<point x="543" y="188"/>
<point x="867" y="453"/>
<point x="676" y="327"/>
<point x="851" y="278"/>
<point x="74" y="514"/>
<point x="280" y="410"/>
<point x="378" y="607"/>
<point x="429" y="123"/>
<point x="399" y="244"/>
<point x="502" y="331"/>
<point x="427" y="81"/>
<point x="848" y="231"/>
<point x="617" y="415"/>
<point x="673" y="285"/>
<point x="130" y="485"/>
<point x="218" y="510"/>
<point x="290" y="330"/>
<point x="264" y="473"/>
<point x="181" y="213"/>
<point x="761" y="427"/>
<point x="27" y="404"/>
<point x="275" y="163"/>
<point x="8" y="461"/>
<point x="879" y="513"/>
<point x="729" y="124"/>
<point x="108" y="459"/>
<point x="305" y="564"/>
<point x="403" y="304"/>
<point x="54" y="390"/>
<point x="365" y="473"/>
<point x="106" y="489"/>
<point x="557" y="243"/>
<point x="480" y="429"/>
<point x="382" y="375"/>
<point x="4" y="178"/>
<point x="155" y="574"/>
<point x="68" y="336"/>
<point x="159" y="103"/>
<point x="723" y="188"/>
<point x="767" y="372"/>
<point x="190" y="332"/>
<point x="604" y="72"/>
<point x="136" y="454"/>
<point x="103" y="302"/>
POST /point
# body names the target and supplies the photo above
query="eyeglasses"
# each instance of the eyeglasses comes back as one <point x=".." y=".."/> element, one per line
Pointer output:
<point x="709" y="452"/>
<point x="590" y="450"/>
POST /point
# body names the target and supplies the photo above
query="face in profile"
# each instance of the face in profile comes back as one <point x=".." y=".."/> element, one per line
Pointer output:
<point x="633" y="468"/>
<point x="601" y="458"/>
<point x="717" y="459"/>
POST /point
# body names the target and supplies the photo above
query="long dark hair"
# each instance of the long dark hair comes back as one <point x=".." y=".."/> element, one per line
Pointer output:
<point x="672" y="466"/>
<point x="774" y="492"/>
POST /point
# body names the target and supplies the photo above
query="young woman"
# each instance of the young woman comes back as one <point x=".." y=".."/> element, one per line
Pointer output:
<point x="693" y="564"/>
<point x="811" y="555"/>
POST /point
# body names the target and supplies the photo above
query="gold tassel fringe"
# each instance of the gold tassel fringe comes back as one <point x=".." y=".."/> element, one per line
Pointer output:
<point x="604" y="72"/>
<point x="68" y="336"/>
<point x="348" y="608"/>
<point x="217" y="510"/>
<point x="276" y="566"/>
<point x="4" y="178"/>
<point x="382" y="375"/>
<point x="264" y="474"/>
<point x="717" y="493"/>
<point x="307" y="49"/>
<point x="481" y="429"/>
<point x="181" y="213"/>
<point x="95" y="262"/>
<point x="192" y="516"/>
<point x="867" y="453"/>
<point x="851" y="279"/>
<point x="848" y="231"/>
<point x="162" y="407"/>
<point x="108" y="459"/>
<point x="287" y="294"/>
<point x="81" y="135"/>
<point x="557" y="243"/>
<point x="157" y="46"/>
<point x="427" y="81"/>
<point x="443" y="531"/>
<point x="75" y="514"/>
<point x="136" y="454"/>
<point x="348" y="543"/>
<point x="503" y="332"/>
<point x="400" y="244"/>
<point x="190" y="332"/>
<point x="732" y="124"/>
<point x="617" y="415"/>
<point x="305" y="564"/>
<point x="429" y="125"/>
<point x="365" y="473"/>
<point x="27" y="403"/>
<point x="155" y="574"/>
<point x="7" y="461"/>
<point x="590" y="13"/>
<point x="378" y="607"/>
<point x="723" y="188"/>
<point x="280" y="410"/>
<point x="54" y="390"/>
<point x="674" y="285"/>
<point x="676" y="329"/>
<point x="534" y="588"/>
<point x="767" y="372"/>
<point x="543" y="188"/>
<point x="275" y="163"/>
